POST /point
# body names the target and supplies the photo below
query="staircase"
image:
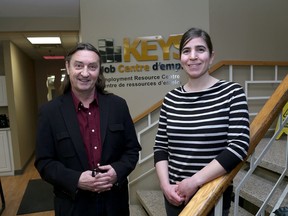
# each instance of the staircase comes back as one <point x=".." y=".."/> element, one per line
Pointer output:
<point x="263" y="179"/>
<point x="252" y="194"/>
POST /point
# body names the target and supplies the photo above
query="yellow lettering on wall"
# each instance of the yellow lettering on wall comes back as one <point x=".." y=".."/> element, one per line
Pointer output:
<point x="173" y="40"/>
<point x="133" y="68"/>
<point x="146" y="47"/>
<point x="141" y="53"/>
<point x="131" y="49"/>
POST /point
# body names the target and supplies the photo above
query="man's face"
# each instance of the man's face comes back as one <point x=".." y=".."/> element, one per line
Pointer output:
<point x="83" y="70"/>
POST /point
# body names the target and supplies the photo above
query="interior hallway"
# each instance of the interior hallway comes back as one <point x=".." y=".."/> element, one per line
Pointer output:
<point x="14" y="188"/>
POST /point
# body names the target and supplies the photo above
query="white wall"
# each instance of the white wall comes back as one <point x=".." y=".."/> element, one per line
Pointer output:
<point x="132" y="19"/>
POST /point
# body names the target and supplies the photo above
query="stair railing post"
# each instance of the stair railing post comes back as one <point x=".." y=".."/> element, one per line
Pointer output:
<point x="253" y="165"/>
<point x="219" y="207"/>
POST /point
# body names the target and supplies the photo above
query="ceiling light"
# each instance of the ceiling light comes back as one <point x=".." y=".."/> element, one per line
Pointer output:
<point x="44" y="40"/>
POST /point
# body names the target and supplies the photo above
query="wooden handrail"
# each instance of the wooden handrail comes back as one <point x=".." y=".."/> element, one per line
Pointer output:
<point x="151" y="109"/>
<point x="212" y="69"/>
<point x="207" y="196"/>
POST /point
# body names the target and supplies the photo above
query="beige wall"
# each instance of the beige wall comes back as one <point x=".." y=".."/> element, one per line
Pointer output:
<point x="2" y="71"/>
<point x="136" y="18"/>
<point x="249" y="30"/>
<point x="240" y="30"/>
<point x="21" y="92"/>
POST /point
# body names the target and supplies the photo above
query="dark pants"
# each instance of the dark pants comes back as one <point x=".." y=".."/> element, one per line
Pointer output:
<point x="90" y="206"/>
<point x="172" y="210"/>
<point x="87" y="203"/>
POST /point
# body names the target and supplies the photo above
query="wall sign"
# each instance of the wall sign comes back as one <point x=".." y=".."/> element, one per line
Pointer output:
<point x="142" y="62"/>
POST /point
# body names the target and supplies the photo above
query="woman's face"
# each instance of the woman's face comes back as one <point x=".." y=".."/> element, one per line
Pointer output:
<point x="83" y="70"/>
<point x="196" y="58"/>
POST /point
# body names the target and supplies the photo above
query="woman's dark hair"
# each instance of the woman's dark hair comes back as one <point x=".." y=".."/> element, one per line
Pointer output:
<point x="195" y="33"/>
<point x="100" y="84"/>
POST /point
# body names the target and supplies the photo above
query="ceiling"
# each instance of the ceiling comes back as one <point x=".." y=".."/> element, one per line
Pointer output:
<point x="40" y="9"/>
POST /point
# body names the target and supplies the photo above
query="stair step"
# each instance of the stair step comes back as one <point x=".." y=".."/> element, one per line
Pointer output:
<point x="274" y="159"/>
<point x="241" y="211"/>
<point x="137" y="210"/>
<point x="257" y="189"/>
<point x="152" y="201"/>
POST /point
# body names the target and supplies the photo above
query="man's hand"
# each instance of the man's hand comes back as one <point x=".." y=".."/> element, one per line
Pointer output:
<point x="103" y="180"/>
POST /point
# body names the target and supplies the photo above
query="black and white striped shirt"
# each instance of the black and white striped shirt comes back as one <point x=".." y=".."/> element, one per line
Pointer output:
<point x="196" y="127"/>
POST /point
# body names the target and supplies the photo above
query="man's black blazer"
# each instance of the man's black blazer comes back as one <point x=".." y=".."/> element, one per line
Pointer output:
<point x="60" y="152"/>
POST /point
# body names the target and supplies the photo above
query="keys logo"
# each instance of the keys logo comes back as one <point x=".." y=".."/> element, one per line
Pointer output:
<point x="140" y="49"/>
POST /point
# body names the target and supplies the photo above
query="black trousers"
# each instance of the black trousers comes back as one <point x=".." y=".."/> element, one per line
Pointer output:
<point x="86" y="203"/>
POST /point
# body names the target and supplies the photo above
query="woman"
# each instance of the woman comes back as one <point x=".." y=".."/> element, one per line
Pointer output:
<point x="203" y="129"/>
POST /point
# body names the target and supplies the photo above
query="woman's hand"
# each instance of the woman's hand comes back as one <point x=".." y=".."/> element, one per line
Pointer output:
<point x="187" y="188"/>
<point x="171" y="195"/>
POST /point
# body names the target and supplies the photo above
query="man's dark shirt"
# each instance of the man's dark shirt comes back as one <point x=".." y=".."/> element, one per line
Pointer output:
<point x="89" y="123"/>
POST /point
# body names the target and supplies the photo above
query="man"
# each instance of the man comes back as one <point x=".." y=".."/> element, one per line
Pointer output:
<point x="86" y="142"/>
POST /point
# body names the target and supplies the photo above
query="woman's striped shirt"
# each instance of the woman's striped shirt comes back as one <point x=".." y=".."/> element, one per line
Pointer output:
<point x="196" y="127"/>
